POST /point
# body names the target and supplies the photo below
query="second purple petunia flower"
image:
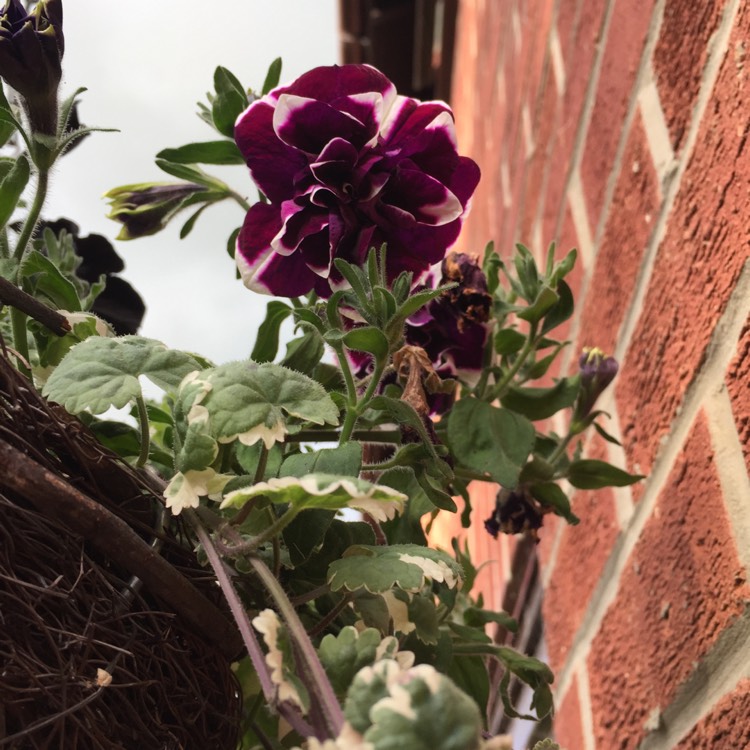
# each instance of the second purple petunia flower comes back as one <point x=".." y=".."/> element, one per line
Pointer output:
<point x="347" y="164"/>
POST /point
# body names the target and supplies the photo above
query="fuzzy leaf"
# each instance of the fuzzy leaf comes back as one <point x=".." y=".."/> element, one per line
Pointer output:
<point x="252" y="402"/>
<point x="378" y="569"/>
<point x="323" y="491"/>
<point x="103" y="372"/>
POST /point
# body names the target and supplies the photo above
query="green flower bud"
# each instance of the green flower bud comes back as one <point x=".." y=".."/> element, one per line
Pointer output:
<point x="146" y="208"/>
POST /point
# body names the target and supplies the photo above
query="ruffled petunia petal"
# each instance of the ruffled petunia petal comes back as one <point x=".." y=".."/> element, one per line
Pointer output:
<point x="328" y="83"/>
<point x="274" y="166"/>
<point x="308" y="125"/>
<point x="427" y="200"/>
<point x="261" y="268"/>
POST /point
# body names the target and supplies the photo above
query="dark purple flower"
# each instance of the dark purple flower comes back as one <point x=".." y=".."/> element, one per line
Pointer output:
<point x="453" y="328"/>
<point x="346" y="165"/>
<point x="516" y="512"/>
<point x="31" y="50"/>
<point x="597" y="372"/>
<point x="146" y="208"/>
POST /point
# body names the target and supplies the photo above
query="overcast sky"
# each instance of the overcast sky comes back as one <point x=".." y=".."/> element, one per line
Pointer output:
<point x="145" y="64"/>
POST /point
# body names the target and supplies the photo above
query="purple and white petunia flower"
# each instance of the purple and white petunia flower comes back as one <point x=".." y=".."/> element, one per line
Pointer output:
<point x="347" y="164"/>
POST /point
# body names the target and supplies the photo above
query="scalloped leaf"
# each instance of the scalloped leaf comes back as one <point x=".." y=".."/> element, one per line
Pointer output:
<point x="103" y="372"/>
<point x="325" y="492"/>
<point x="425" y="711"/>
<point x="378" y="569"/>
<point x="251" y="402"/>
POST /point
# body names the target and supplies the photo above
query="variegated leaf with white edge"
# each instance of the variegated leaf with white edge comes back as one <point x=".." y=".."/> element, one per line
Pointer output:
<point x="326" y="492"/>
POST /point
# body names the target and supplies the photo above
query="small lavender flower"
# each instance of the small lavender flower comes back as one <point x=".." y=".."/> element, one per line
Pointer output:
<point x="346" y="165"/>
<point x="147" y="207"/>
<point x="31" y="51"/>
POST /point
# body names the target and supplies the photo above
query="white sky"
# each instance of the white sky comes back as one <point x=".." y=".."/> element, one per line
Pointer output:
<point x="145" y="64"/>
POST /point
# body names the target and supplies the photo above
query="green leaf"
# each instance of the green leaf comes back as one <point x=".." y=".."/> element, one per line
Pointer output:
<point x="45" y="281"/>
<point x="103" y="372"/>
<point x="378" y="569"/>
<point x="191" y="173"/>
<point x="561" y="310"/>
<point x="403" y="413"/>
<point x="367" y="339"/>
<point x="542" y="403"/>
<point x="12" y="187"/>
<point x="267" y="341"/>
<point x="549" y="494"/>
<point x="325" y="492"/>
<point x="250" y="401"/>
<point x="476" y="617"/>
<point x="232" y="244"/>
<point x="6" y="128"/>
<point x="187" y="227"/>
<point x="536" y="674"/>
<point x="490" y="440"/>
<point x="229" y="102"/>
<point x="470" y="675"/>
<point x="592" y="474"/>
<point x="609" y="438"/>
<point x="509" y="341"/>
<point x="304" y="353"/>
<point x="206" y="152"/>
<point x="343" y="655"/>
<point x="272" y="76"/>
<point x="545" y="300"/>
<point x="344" y="461"/>
<point x="306" y="533"/>
<point x="427" y="713"/>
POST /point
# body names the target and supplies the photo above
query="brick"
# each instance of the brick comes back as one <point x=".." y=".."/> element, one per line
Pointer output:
<point x="698" y="263"/>
<point x="543" y="133"/>
<point x="725" y="726"/>
<point x="568" y="722"/>
<point x="682" y="585"/>
<point x="738" y="385"/>
<point x="625" y="41"/>
<point x="579" y="64"/>
<point x="584" y="549"/>
<point x="631" y="219"/>
<point x="680" y="56"/>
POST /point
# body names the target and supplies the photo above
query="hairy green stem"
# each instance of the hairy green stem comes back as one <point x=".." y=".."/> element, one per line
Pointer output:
<point x="144" y="430"/>
<point x="30" y="224"/>
<point x="556" y="454"/>
<point x="18" y="319"/>
<point x="321" y="685"/>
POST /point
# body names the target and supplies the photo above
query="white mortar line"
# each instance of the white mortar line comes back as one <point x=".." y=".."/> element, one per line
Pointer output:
<point x="717" y="47"/>
<point x="505" y="184"/>
<point x="655" y="124"/>
<point x="715" y="676"/>
<point x="558" y="66"/>
<point x="577" y="203"/>
<point x="587" y="713"/>
<point x="515" y="20"/>
<point x="731" y="468"/>
<point x="710" y="379"/>
<point x="589" y="99"/>
<point x="528" y="137"/>
<point x="643" y="76"/>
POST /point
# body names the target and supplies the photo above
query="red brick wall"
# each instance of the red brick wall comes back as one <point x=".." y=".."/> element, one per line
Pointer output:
<point x="620" y="127"/>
